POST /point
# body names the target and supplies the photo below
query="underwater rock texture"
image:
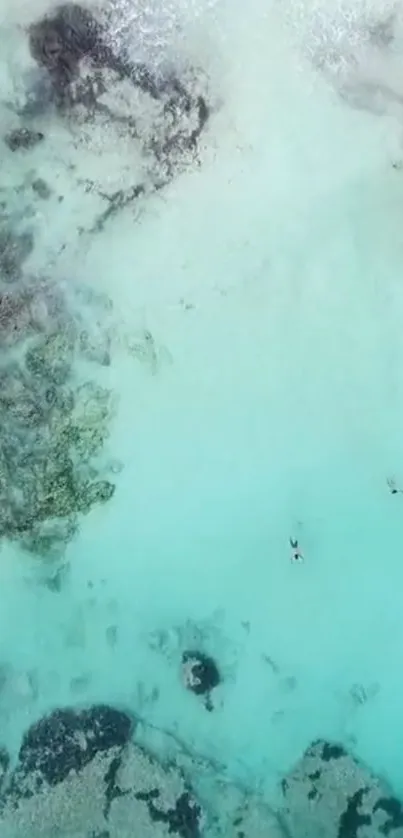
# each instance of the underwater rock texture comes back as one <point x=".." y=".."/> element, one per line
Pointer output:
<point x="200" y="675"/>
<point x="356" y="53"/>
<point x="61" y="40"/>
<point x="4" y="765"/>
<point x="22" y="139"/>
<point x="79" y="772"/>
<point x="331" y="794"/>
<point x="86" y="78"/>
<point x="90" y="773"/>
<point x="50" y="430"/>
<point x="253" y="819"/>
<point x="15" y="247"/>
<point x="53" y="422"/>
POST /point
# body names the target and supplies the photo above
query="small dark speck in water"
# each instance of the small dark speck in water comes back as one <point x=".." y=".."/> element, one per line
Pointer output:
<point x="111" y="635"/>
<point x="80" y="683"/>
<point x="272" y="663"/>
<point x="290" y="683"/>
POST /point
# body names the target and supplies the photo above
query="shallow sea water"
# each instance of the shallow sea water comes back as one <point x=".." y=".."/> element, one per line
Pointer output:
<point x="269" y="276"/>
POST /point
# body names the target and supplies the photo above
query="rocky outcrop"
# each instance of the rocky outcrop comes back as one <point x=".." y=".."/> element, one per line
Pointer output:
<point x="329" y="793"/>
<point x="80" y="772"/>
<point x="50" y="430"/>
<point x="86" y="77"/>
<point x="53" y="422"/>
<point x="89" y="772"/>
<point x="71" y="34"/>
<point x="22" y="139"/>
<point x="200" y="675"/>
<point x="4" y="766"/>
<point x="15" y="247"/>
<point x="252" y="818"/>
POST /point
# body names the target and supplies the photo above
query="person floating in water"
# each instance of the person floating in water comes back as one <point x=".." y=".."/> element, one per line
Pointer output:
<point x="393" y="488"/>
<point x="296" y="555"/>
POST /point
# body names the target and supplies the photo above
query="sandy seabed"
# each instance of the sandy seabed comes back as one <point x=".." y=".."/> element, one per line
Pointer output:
<point x="269" y="276"/>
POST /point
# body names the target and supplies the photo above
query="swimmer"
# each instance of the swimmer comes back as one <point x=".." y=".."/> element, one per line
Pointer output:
<point x="393" y="488"/>
<point x="296" y="555"/>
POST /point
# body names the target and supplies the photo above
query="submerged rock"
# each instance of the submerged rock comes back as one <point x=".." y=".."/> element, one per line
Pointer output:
<point x="79" y="771"/>
<point x="251" y="819"/>
<point x="51" y="358"/>
<point x="41" y="188"/>
<point x="42" y="481"/>
<point x="60" y="41"/>
<point x="93" y="493"/>
<point x="330" y="793"/>
<point x="95" y="348"/>
<point x="88" y="426"/>
<point x="67" y="740"/>
<point x="155" y="797"/>
<point x="200" y="675"/>
<point x="89" y="78"/>
<point x="15" y="248"/>
<point x="15" y="317"/>
<point x="4" y="766"/>
<point x="23" y="139"/>
<point x="18" y="401"/>
<point x="51" y="429"/>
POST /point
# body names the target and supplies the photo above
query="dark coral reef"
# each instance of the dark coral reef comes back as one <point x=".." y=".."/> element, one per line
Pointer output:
<point x="330" y="793"/>
<point x="79" y="771"/>
<point x="82" y="64"/>
<point x="53" y="422"/>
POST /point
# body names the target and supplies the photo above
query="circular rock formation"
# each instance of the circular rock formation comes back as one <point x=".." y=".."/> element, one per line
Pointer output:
<point x="329" y="793"/>
<point x="200" y="675"/>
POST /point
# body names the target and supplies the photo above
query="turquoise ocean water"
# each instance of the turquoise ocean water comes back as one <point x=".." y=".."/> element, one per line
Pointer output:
<point x="253" y="313"/>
